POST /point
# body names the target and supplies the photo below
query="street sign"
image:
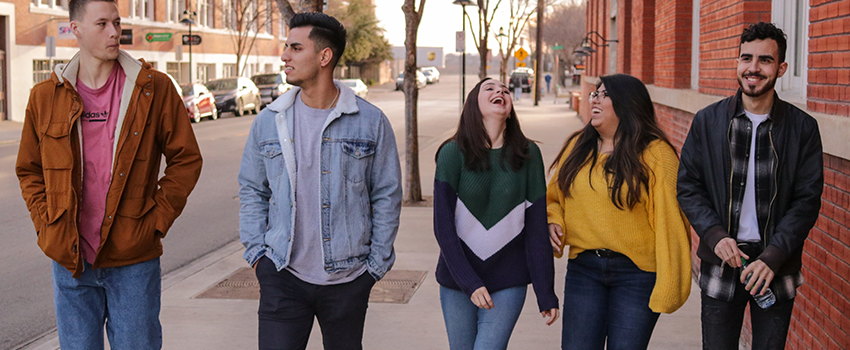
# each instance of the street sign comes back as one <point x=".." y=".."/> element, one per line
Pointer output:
<point x="521" y="54"/>
<point x="194" y="40"/>
<point x="151" y="37"/>
<point x="558" y="47"/>
<point x="126" y="37"/>
<point x="64" y="30"/>
<point x="460" y="41"/>
<point x="520" y="64"/>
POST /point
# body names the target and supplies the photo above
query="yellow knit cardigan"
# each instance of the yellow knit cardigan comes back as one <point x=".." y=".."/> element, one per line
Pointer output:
<point x="654" y="234"/>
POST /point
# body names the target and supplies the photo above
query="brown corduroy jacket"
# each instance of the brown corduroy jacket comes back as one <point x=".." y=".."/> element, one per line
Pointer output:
<point x="140" y="206"/>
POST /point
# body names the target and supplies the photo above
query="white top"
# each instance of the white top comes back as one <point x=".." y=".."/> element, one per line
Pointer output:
<point x="748" y="227"/>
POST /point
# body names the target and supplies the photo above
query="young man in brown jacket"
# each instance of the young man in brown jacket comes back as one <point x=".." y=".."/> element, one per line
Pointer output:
<point x="88" y="164"/>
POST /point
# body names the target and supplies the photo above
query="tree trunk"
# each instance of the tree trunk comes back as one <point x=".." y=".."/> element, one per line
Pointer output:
<point x="412" y="183"/>
<point x="484" y="56"/>
<point x="288" y="12"/>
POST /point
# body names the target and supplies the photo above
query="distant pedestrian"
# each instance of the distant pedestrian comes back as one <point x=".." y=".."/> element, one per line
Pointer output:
<point x="89" y="164"/>
<point x="490" y="223"/>
<point x="320" y="189"/>
<point x="548" y="78"/>
<point x="750" y="182"/>
<point x="612" y="199"/>
<point x="516" y="85"/>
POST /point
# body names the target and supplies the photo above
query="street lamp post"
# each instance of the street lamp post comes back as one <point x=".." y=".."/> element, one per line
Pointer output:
<point x="463" y="4"/>
<point x="188" y="18"/>
<point x="499" y="38"/>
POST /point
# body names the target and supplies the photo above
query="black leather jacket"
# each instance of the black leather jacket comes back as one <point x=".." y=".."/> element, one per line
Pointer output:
<point x="706" y="167"/>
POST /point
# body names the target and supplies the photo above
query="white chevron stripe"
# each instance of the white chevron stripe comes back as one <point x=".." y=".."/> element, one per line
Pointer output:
<point x="483" y="242"/>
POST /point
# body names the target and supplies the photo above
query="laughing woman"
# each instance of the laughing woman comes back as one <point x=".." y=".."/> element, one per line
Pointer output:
<point x="612" y="199"/>
<point x="490" y="223"/>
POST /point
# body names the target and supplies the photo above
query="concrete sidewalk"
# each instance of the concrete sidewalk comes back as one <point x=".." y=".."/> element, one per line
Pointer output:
<point x="190" y="323"/>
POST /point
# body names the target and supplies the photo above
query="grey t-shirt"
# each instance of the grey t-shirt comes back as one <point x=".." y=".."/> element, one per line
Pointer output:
<point x="307" y="258"/>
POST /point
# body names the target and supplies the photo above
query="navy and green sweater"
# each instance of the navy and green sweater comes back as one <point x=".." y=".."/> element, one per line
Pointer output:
<point x="491" y="225"/>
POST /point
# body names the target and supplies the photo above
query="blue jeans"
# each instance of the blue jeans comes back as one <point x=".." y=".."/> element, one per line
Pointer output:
<point x="126" y="299"/>
<point x="607" y="299"/>
<point x="470" y="327"/>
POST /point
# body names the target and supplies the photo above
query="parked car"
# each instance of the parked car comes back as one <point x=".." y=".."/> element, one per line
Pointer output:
<point x="432" y="74"/>
<point x="420" y="79"/>
<point x="235" y="95"/>
<point x="357" y="86"/>
<point x="522" y="80"/>
<point x="271" y="86"/>
<point x="199" y="102"/>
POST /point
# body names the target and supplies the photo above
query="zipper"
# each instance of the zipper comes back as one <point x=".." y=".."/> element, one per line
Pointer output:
<point x="775" y="184"/>
<point x="731" y="174"/>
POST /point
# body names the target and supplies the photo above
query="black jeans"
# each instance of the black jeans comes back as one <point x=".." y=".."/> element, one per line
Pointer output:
<point x="722" y="320"/>
<point x="288" y="306"/>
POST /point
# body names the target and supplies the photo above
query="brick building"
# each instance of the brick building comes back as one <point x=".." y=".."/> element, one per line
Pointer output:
<point x="685" y="51"/>
<point x="26" y="23"/>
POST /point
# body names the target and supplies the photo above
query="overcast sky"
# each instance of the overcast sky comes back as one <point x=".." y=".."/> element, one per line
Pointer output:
<point x="441" y="20"/>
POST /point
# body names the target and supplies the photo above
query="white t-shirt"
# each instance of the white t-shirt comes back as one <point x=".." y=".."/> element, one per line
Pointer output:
<point x="748" y="227"/>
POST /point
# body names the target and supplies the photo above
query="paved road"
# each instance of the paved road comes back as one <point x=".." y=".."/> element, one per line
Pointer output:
<point x="209" y="221"/>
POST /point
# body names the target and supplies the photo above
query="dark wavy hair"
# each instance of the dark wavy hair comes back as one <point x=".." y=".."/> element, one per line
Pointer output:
<point x="765" y="30"/>
<point x="474" y="143"/>
<point x="326" y="32"/>
<point x="638" y="127"/>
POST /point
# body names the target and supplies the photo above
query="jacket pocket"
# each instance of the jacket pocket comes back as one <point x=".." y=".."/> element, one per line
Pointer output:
<point x="133" y="232"/>
<point x="272" y="159"/>
<point x="358" y="158"/>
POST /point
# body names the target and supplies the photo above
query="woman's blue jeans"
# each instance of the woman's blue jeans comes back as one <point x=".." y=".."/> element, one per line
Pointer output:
<point x="607" y="299"/>
<point x="470" y="327"/>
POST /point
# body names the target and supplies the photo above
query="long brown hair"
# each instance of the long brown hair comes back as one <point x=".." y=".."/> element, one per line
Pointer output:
<point x="474" y="143"/>
<point x="637" y="128"/>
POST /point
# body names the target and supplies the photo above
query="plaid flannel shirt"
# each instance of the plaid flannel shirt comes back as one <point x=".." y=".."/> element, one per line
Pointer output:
<point x="719" y="282"/>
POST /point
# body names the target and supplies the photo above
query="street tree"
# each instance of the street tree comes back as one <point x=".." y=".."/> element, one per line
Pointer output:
<point x="365" y="41"/>
<point x="520" y="12"/>
<point x="485" y="20"/>
<point x="287" y="11"/>
<point x="244" y="19"/>
<point x="412" y="183"/>
<point x="570" y="17"/>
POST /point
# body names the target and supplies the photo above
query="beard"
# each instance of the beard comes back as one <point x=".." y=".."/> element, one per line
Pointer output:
<point x="755" y="91"/>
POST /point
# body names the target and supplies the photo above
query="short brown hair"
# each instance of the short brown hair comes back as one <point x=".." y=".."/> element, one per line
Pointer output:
<point x="76" y="8"/>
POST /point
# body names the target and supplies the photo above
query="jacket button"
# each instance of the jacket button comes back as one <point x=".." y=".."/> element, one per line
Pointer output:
<point x="147" y="94"/>
<point x="109" y="217"/>
<point x="122" y="174"/>
<point x="136" y="133"/>
<point x="148" y="85"/>
<point x="149" y="76"/>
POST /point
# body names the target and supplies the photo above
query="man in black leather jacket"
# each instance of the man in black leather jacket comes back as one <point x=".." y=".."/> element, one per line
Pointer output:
<point x="750" y="183"/>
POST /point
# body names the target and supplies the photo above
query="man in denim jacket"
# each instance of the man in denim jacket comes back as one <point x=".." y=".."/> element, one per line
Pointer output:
<point x="320" y="192"/>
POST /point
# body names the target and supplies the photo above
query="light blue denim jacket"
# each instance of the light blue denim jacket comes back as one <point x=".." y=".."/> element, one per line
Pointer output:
<point x="360" y="186"/>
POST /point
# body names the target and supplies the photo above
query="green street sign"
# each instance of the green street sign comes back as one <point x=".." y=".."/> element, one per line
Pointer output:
<point x="151" y="37"/>
<point x="559" y="47"/>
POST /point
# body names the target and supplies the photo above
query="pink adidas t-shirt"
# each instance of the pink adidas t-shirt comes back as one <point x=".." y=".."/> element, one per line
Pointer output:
<point x="100" y="116"/>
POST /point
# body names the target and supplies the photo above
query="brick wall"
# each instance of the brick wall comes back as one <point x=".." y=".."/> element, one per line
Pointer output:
<point x="721" y="24"/>
<point x="829" y="57"/>
<point x="643" y="40"/>
<point x="673" y="43"/>
<point x="821" y="318"/>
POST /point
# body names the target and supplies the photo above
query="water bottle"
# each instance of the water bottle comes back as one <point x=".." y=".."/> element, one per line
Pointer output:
<point x="764" y="301"/>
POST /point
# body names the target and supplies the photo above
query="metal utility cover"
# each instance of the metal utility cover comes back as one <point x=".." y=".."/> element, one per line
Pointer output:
<point x="397" y="286"/>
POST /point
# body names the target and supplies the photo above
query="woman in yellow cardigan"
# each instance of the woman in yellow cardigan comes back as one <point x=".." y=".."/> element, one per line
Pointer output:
<point x="612" y="199"/>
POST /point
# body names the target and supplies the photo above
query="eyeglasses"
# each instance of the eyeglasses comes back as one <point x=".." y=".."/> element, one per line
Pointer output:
<point x="594" y="94"/>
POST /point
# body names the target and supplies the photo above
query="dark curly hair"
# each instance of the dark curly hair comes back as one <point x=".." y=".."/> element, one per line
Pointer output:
<point x="326" y="32"/>
<point x="765" y="30"/>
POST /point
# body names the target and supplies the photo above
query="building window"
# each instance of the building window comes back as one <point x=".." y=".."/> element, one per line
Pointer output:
<point x="695" y="46"/>
<point x="141" y="9"/>
<point x="282" y="28"/>
<point x="229" y="70"/>
<point x="174" y="10"/>
<point x="792" y="16"/>
<point x="41" y="69"/>
<point x="268" y="17"/>
<point x="205" y="13"/>
<point x="53" y="4"/>
<point x="206" y="72"/>
<point x="252" y="15"/>
<point x="228" y="9"/>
